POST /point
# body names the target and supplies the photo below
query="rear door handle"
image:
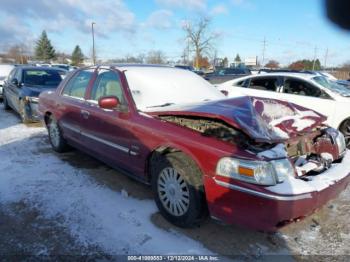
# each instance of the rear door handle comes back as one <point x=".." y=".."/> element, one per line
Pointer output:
<point x="85" y="114"/>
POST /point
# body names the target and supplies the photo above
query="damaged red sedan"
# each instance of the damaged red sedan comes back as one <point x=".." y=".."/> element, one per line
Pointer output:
<point x="257" y="162"/>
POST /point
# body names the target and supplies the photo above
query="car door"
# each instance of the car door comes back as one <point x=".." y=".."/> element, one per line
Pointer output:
<point x="305" y="94"/>
<point x="109" y="131"/>
<point x="71" y="104"/>
<point x="13" y="90"/>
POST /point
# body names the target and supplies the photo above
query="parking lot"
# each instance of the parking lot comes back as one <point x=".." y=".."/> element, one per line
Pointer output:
<point x="72" y="204"/>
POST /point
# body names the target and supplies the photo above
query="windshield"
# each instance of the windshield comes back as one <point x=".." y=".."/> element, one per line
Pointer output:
<point x="162" y="86"/>
<point x="333" y="86"/>
<point x="40" y="77"/>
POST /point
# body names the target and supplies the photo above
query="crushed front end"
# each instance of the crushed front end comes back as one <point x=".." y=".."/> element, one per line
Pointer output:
<point x="288" y="182"/>
<point x="283" y="164"/>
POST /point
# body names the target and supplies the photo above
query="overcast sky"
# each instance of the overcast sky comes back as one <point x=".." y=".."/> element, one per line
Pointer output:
<point x="292" y="28"/>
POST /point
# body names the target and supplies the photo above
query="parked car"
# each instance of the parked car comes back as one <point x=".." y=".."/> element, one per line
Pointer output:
<point x="190" y="68"/>
<point x="23" y="87"/>
<point x="309" y="90"/>
<point x="4" y="72"/>
<point x="253" y="161"/>
<point x="225" y="74"/>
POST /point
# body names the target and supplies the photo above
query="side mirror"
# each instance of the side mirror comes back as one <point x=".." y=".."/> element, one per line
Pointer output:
<point x="109" y="102"/>
<point x="224" y="92"/>
<point x="15" y="81"/>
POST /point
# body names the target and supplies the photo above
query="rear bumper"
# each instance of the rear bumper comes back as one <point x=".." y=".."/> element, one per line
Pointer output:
<point x="263" y="209"/>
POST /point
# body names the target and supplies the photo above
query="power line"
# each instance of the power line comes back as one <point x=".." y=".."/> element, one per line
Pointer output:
<point x="315" y="54"/>
<point x="325" y="58"/>
<point x="263" y="52"/>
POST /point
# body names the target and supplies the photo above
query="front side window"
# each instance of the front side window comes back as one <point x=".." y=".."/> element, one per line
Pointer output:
<point x="264" y="83"/>
<point x="78" y="84"/>
<point x="107" y="84"/>
<point x="12" y="74"/>
<point x="300" y="87"/>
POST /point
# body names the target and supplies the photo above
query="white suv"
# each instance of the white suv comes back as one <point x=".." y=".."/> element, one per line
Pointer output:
<point x="308" y="90"/>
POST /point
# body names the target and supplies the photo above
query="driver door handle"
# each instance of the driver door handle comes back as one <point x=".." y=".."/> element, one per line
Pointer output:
<point x="85" y="114"/>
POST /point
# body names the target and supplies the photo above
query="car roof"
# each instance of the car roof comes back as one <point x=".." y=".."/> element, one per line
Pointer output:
<point x="305" y="76"/>
<point x="124" y="66"/>
<point x="25" y="67"/>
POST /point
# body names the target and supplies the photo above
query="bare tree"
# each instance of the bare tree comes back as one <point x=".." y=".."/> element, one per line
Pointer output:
<point x="156" y="57"/>
<point x="200" y="38"/>
<point x="19" y="53"/>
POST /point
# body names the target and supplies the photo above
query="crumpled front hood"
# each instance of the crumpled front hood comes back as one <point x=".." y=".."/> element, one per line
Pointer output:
<point x="262" y="119"/>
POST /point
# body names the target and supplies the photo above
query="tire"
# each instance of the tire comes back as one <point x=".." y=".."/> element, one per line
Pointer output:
<point x="23" y="114"/>
<point x="178" y="189"/>
<point x="345" y="129"/>
<point x="5" y="102"/>
<point x="57" y="141"/>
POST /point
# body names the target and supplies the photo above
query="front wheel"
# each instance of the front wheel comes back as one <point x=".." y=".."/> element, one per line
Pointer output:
<point x="178" y="190"/>
<point x="345" y="129"/>
<point x="57" y="141"/>
<point x="5" y="102"/>
<point x="23" y="113"/>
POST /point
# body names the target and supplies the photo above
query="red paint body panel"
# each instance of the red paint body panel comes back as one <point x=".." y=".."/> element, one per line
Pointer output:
<point x="139" y="134"/>
<point x="235" y="207"/>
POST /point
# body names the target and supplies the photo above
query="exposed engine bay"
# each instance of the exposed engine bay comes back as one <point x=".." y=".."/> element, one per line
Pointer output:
<point x="218" y="129"/>
<point x="311" y="153"/>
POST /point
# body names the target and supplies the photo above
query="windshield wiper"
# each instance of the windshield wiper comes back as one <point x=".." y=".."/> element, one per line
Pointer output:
<point x="163" y="105"/>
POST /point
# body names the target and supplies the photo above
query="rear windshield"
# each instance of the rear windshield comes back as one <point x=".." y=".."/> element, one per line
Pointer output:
<point x="34" y="77"/>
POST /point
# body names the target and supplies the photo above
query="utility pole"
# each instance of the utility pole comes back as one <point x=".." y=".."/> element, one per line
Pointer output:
<point x="93" y="43"/>
<point x="315" y="54"/>
<point x="325" y="59"/>
<point x="263" y="53"/>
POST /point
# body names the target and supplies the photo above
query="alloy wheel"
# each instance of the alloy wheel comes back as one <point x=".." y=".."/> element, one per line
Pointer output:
<point x="54" y="133"/>
<point x="173" y="191"/>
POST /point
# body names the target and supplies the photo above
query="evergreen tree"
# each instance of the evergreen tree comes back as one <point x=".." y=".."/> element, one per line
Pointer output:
<point x="238" y="59"/>
<point x="77" y="56"/>
<point x="44" y="50"/>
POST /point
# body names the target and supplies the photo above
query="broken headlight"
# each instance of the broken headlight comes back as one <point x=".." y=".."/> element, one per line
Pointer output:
<point x="256" y="172"/>
<point x="340" y="140"/>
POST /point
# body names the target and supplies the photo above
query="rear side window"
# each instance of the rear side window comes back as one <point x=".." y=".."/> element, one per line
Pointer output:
<point x="107" y="84"/>
<point x="264" y="83"/>
<point x="76" y="87"/>
<point x="243" y="83"/>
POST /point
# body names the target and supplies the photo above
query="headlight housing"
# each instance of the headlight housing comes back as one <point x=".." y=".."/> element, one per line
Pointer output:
<point x="255" y="172"/>
<point x="31" y="99"/>
<point x="340" y="140"/>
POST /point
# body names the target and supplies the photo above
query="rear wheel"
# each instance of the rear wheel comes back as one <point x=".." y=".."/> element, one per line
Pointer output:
<point x="345" y="129"/>
<point x="57" y="141"/>
<point x="178" y="189"/>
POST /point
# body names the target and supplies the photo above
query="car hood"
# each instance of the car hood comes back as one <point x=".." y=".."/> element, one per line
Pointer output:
<point x="262" y="119"/>
<point x="34" y="91"/>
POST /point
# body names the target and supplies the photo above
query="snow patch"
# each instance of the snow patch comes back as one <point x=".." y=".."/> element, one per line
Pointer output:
<point x="279" y="151"/>
<point x="93" y="214"/>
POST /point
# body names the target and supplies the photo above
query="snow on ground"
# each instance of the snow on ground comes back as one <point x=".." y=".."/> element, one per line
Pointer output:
<point x="63" y="204"/>
<point x="94" y="214"/>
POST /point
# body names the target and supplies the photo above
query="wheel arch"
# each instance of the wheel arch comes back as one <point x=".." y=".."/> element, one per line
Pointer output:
<point x="166" y="149"/>
<point x="47" y="116"/>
